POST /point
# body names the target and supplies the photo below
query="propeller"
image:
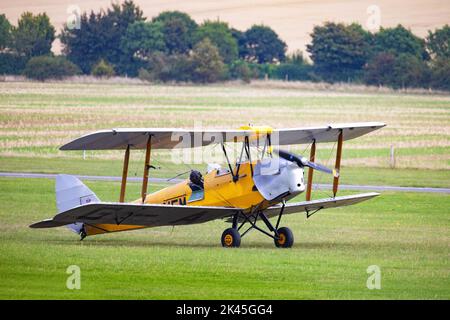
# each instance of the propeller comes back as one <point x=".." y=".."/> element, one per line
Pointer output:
<point x="303" y="162"/>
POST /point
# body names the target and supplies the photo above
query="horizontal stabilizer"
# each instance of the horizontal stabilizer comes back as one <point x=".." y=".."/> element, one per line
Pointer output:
<point x="47" y="223"/>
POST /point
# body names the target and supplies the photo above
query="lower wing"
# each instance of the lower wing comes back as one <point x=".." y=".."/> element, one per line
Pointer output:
<point x="146" y="215"/>
<point x="313" y="206"/>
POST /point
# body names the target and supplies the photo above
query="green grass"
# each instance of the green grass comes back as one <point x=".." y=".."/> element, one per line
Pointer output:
<point x="405" y="234"/>
<point x="350" y="175"/>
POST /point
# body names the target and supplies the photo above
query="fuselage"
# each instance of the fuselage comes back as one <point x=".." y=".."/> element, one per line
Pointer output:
<point x="254" y="188"/>
<point x="219" y="190"/>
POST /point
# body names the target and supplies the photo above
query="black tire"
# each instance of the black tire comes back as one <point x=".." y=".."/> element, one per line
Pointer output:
<point x="231" y="238"/>
<point x="286" y="238"/>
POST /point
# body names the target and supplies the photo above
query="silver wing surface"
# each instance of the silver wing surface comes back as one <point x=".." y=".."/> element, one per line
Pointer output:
<point x="310" y="206"/>
<point x="150" y="215"/>
<point x="166" y="138"/>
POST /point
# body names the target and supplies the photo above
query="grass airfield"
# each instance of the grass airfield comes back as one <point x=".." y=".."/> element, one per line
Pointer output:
<point x="405" y="234"/>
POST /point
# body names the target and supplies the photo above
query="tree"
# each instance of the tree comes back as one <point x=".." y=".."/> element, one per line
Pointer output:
<point x="33" y="35"/>
<point x="379" y="70"/>
<point x="84" y="46"/>
<point x="49" y="67"/>
<point x="103" y="69"/>
<point x="410" y="72"/>
<point x="5" y="32"/>
<point x="100" y="36"/>
<point x="440" y="74"/>
<point x="438" y="43"/>
<point x="240" y="38"/>
<point x="140" y="40"/>
<point x="221" y="36"/>
<point x="399" y="40"/>
<point x="178" y="29"/>
<point x="401" y="71"/>
<point x="207" y="63"/>
<point x="263" y="45"/>
<point x="12" y="63"/>
<point x="339" y="51"/>
<point x="296" y="58"/>
<point x="121" y="16"/>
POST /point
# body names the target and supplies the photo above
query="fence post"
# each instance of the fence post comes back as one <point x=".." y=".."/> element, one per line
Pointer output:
<point x="392" y="157"/>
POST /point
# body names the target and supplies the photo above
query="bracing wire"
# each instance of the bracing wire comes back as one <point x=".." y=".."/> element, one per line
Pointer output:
<point x="217" y="192"/>
<point x="321" y="175"/>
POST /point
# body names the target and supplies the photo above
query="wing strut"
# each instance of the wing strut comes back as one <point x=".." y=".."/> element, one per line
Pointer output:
<point x="312" y="157"/>
<point x="148" y="150"/>
<point x="338" y="163"/>
<point x="123" y="185"/>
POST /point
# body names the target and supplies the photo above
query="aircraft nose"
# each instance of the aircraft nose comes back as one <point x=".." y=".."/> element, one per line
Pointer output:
<point x="286" y="179"/>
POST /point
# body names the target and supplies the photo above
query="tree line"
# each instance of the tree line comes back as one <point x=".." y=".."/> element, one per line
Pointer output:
<point x="173" y="47"/>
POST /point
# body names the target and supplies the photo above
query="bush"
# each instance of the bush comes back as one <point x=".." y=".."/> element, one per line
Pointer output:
<point x="103" y="69"/>
<point x="11" y="63"/>
<point x="175" y="67"/>
<point x="207" y="63"/>
<point x="145" y="75"/>
<point x="49" y="67"/>
<point x="291" y="71"/>
<point x="263" y="70"/>
<point x="240" y="69"/>
<point x="440" y="74"/>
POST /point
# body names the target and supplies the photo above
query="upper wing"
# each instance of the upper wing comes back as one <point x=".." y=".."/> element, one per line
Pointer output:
<point x="308" y="206"/>
<point x="326" y="133"/>
<point x="178" y="138"/>
<point x="150" y="215"/>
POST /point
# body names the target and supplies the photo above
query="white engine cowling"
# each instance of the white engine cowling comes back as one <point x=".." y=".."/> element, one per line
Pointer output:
<point x="275" y="177"/>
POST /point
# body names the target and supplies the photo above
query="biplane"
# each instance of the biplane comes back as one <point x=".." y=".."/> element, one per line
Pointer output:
<point x="247" y="193"/>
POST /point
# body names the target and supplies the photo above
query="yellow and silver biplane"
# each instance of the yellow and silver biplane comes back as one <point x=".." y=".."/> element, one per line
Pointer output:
<point x="254" y="188"/>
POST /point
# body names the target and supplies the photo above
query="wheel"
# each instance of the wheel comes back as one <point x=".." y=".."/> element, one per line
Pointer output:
<point x="286" y="238"/>
<point x="231" y="238"/>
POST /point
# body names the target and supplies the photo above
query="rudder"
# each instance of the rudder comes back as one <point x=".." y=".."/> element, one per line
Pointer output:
<point x="70" y="193"/>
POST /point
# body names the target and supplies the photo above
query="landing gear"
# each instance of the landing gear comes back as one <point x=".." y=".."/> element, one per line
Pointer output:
<point x="231" y="238"/>
<point x="285" y="238"/>
<point x="82" y="233"/>
<point x="282" y="237"/>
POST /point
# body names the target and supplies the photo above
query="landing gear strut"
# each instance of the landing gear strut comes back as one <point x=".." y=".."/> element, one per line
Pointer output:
<point x="283" y="237"/>
<point x="83" y="233"/>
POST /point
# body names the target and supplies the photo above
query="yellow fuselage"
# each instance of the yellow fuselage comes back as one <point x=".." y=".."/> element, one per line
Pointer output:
<point x="219" y="190"/>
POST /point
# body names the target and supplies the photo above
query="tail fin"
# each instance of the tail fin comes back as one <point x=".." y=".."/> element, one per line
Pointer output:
<point x="70" y="193"/>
